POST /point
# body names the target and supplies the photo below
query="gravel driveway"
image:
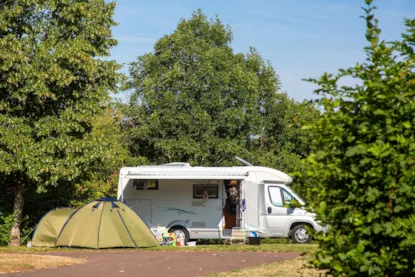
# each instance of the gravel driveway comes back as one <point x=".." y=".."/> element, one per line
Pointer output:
<point x="147" y="263"/>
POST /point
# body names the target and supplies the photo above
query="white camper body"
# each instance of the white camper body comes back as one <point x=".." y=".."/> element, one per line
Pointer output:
<point x="194" y="200"/>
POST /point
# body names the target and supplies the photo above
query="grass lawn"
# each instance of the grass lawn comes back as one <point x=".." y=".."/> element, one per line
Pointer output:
<point x="277" y="247"/>
<point x="22" y="262"/>
<point x="288" y="268"/>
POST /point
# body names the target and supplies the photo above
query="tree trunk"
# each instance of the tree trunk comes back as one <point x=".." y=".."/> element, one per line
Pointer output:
<point x="17" y="214"/>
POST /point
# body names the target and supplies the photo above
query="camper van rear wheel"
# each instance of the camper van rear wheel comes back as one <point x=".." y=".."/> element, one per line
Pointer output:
<point x="299" y="234"/>
<point x="180" y="232"/>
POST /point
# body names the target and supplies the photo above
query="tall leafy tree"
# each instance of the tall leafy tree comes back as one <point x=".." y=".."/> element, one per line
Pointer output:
<point x="52" y="84"/>
<point x="194" y="99"/>
<point x="285" y="143"/>
<point x="99" y="180"/>
<point x="363" y="161"/>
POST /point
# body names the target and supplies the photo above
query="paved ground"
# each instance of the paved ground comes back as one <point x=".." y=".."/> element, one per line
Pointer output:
<point x="141" y="263"/>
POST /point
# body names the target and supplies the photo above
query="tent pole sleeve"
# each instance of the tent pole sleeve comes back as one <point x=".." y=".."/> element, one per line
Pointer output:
<point x="126" y="228"/>
<point x="37" y="225"/>
<point x="99" y="225"/>
<point x="64" y="225"/>
<point x="30" y="233"/>
<point x="123" y="185"/>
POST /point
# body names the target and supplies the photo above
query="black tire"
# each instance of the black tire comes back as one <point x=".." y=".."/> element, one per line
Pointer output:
<point x="181" y="229"/>
<point x="299" y="234"/>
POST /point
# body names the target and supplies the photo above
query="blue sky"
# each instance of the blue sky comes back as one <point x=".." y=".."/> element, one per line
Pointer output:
<point x="301" y="38"/>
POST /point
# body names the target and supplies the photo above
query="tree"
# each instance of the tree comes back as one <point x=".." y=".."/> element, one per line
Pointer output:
<point x="285" y="143"/>
<point x="194" y="99"/>
<point x="363" y="161"/>
<point x="52" y="85"/>
<point x="102" y="178"/>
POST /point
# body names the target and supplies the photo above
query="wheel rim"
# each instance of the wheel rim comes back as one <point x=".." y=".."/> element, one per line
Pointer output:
<point x="180" y="234"/>
<point x="301" y="235"/>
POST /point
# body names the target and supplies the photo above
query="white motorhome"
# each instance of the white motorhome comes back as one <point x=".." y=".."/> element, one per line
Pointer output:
<point x="207" y="202"/>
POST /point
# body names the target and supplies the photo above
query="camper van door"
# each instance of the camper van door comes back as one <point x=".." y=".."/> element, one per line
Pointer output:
<point x="278" y="216"/>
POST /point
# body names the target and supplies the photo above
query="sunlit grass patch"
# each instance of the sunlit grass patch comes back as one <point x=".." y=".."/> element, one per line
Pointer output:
<point x="287" y="268"/>
<point x="22" y="262"/>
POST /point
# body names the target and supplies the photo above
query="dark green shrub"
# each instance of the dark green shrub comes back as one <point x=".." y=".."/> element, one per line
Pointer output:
<point x="363" y="163"/>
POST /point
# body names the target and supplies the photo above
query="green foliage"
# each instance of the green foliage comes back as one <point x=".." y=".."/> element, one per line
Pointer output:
<point x="102" y="178"/>
<point x="363" y="161"/>
<point x="195" y="100"/>
<point x="269" y="240"/>
<point x="93" y="189"/>
<point x="209" y="241"/>
<point x="6" y="222"/>
<point x="286" y="143"/>
<point x="100" y="181"/>
<point x="52" y="86"/>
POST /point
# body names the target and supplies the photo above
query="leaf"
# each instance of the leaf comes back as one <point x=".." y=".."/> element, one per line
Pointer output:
<point x="323" y="206"/>
<point x="354" y="150"/>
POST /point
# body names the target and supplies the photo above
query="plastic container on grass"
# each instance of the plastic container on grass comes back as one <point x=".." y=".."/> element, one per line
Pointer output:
<point x="254" y="239"/>
<point x="191" y="243"/>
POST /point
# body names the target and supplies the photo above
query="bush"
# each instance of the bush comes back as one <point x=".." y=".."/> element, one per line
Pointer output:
<point x="363" y="162"/>
<point x="273" y="240"/>
<point x="6" y="222"/>
<point x="209" y="241"/>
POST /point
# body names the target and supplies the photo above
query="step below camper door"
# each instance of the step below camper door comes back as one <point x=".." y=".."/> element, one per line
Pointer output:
<point x="277" y="216"/>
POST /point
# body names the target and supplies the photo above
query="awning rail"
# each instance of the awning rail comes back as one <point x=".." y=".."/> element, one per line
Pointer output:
<point x="205" y="175"/>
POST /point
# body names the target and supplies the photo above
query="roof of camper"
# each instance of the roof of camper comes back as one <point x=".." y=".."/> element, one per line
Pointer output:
<point x="185" y="171"/>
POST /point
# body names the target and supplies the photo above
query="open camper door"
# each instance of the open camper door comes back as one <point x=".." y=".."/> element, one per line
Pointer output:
<point x="249" y="204"/>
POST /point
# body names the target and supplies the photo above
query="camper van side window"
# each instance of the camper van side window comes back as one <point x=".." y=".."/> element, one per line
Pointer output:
<point x="146" y="184"/>
<point x="275" y="196"/>
<point x="200" y="191"/>
<point x="287" y="196"/>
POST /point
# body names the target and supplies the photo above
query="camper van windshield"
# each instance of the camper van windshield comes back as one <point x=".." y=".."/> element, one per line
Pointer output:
<point x="296" y="194"/>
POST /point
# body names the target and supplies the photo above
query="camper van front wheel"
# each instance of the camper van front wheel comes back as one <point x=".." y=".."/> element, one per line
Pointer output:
<point x="180" y="232"/>
<point x="299" y="234"/>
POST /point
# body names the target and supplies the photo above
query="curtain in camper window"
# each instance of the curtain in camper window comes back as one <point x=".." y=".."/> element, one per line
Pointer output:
<point x="275" y="195"/>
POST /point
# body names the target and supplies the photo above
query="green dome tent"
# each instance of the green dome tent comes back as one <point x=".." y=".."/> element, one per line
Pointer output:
<point x="49" y="227"/>
<point x="105" y="223"/>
